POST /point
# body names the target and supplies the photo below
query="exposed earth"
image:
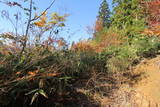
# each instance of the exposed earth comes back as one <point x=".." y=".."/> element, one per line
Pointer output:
<point x="146" y="92"/>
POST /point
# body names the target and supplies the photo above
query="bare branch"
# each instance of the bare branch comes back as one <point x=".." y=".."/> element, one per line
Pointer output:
<point x="44" y="11"/>
<point x="27" y="29"/>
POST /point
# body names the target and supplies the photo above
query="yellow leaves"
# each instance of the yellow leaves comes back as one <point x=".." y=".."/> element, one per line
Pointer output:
<point x="42" y="22"/>
<point x="48" y="22"/>
<point x="53" y="22"/>
<point x="56" y="17"/>
<point x="39" y="24"/>
<point x="61" y="25"/>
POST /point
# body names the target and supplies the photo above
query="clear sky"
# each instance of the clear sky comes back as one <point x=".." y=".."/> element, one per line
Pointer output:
<point x="82" y="14"/>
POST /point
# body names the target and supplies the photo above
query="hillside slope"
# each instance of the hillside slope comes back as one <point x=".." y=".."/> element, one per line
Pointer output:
<point x="146" y="92"/>
<point x="149" y="86"/>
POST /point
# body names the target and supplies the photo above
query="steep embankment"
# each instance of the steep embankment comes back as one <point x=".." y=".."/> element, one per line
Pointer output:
<point x="144" y="93"/>
<point x="149" y="87"/>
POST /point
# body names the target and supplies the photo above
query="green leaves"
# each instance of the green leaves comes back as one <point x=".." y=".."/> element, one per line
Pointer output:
<point x="31" y="92"/>
<point x="41" y="92"/>
<point x="26" y="9"/>
<point x="34" y="8"/>
<point x="104" y="14"/>
<point x="34" y="98"/>
<point x="36" y="93"/>
<point x="128" y="17"/>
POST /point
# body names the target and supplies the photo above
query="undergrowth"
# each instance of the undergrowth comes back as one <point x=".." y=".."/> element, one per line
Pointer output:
<point x="53" y="78"/>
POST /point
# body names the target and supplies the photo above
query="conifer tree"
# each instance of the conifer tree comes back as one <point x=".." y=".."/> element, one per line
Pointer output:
<point x="128" y="16"/>
<point x="104" y="14"/>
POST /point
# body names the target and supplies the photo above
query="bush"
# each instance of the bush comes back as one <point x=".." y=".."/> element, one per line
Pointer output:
<point x="129" y="53"/>
<point x="55" y="72"/>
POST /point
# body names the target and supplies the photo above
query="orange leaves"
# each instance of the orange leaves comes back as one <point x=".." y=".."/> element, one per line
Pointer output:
<point x="108" y="39"/>
<point x="31" y="73"/>
<point x="83" y="46"/>
<point x="42" y="22"/>
<point x="154" y="31"/>
<point x="52" y="74"/>
<point x="17" y="73"/>
<point x="47" y="22"/>
<point x="61" y="42"/>
<point x="42" y="74"/>
<point x="99" y="25"/>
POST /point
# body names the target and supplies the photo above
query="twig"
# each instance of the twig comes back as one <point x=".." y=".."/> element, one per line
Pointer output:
<point x="44" y="11"/>
<point x="27" y="29"/>
<point x="30" y="20"/>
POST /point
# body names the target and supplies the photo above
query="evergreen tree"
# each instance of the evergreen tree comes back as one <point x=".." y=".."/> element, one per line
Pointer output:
<point x="104" y="14"/>
<point x="128" y="16"/>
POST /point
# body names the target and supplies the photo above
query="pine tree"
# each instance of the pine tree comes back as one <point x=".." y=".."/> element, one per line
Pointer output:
<point x="104" y="14"/>
<point x="128" y="16"/>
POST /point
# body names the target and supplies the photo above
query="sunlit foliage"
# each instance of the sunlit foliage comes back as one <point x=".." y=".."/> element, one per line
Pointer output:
<point x="51" y="72"/>
<point x="83" y="46"/>
<point x="99" y="25"/>
<point x="51" y="21"/>
<point x="152" y="11"/>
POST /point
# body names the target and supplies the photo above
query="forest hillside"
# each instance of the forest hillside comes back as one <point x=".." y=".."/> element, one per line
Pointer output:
<point x="117" y="67"/>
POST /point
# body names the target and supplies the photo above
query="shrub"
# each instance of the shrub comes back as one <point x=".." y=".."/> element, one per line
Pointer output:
<point x="129" y="53"/>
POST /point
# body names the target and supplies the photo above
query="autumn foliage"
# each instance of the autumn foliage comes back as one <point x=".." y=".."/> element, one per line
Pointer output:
<point x="109" y="39"/>
<point x="52" y="72"/>
<point x="48" y="22"/>
<point x="83" y="46"/>
<point x="99" y="25"/>
<point x="153" y="31"/>
<point x="152" y="10"/>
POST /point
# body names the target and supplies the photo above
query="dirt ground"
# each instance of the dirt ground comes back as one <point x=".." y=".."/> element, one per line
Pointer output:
<point x="144" y="93"/>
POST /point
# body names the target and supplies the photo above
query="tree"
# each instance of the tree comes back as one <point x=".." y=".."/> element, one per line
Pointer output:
<point x="128" y="16"/>
<point x="104" y="14"/>
<point x="40" y="20"/>
<point x="30" y="20"/>
<point x="152" y="11"/>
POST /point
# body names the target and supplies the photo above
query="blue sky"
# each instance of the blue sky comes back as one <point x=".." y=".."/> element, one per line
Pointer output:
<point x="82" y="14"/>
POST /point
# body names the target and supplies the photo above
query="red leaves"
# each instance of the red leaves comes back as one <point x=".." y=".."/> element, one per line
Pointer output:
<point x="152" y="9"/>
<point x="153" y="12"/>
